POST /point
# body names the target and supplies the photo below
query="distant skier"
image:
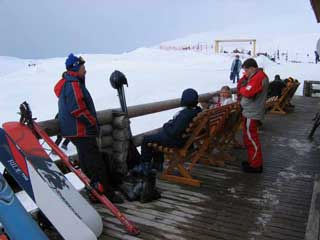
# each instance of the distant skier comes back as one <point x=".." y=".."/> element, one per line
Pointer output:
<point x="317" y="56"/>
<point x="235" y="68"/>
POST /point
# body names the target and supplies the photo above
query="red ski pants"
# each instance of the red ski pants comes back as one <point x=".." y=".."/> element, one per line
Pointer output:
<point x="252" y="143"/>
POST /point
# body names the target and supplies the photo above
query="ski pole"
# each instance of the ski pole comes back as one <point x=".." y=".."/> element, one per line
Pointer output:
<point x="103" y="199"/>
<point x="26" y="117"/>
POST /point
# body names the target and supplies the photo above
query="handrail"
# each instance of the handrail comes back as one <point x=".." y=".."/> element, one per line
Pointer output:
<point x="105" y="116"/>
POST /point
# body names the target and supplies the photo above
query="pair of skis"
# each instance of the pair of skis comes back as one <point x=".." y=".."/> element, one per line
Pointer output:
<point x="26" y="118"/>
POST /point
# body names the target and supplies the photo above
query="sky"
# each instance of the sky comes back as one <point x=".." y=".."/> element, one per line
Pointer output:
<point x="46" y="28"/>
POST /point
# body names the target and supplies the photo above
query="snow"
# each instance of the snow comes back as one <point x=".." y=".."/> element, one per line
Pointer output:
<point x="153" y="75"/>
<point x="298" y="46"/>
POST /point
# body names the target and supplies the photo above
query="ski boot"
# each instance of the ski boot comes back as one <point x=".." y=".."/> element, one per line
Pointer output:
<point x="149" y="191"/>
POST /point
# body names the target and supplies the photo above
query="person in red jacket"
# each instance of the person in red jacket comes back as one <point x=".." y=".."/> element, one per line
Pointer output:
<point x="252" y="94"/>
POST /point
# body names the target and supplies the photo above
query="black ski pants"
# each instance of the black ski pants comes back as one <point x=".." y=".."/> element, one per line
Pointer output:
<point x="91" y="160"/>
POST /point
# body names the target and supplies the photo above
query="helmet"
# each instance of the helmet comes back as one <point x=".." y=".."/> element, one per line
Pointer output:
<point x="117" y="79"/>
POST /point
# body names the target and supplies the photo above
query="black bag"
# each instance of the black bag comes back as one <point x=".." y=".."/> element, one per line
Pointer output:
<point x="232" y="76"/>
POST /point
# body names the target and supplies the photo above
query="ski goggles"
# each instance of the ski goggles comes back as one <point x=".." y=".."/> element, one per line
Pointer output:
<point x="79" y="62"/>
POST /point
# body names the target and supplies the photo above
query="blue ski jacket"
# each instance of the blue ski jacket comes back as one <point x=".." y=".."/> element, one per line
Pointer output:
<point x="77" y="114"/>
<point x="236" y="66"/>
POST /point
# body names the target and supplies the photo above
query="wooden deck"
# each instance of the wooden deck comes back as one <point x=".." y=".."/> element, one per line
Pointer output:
<point x="235" y="205"/>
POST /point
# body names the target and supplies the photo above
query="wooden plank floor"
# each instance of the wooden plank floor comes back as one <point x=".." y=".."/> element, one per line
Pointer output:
<point x="235" y="205"/>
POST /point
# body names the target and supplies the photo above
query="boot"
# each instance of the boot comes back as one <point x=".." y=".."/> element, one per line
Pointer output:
<point x="99" y="188"/>
<point x="114" y="197"/>
<point x="132" y="192"/>
<point x="146" y="168"/>
<point x="248" y="169"/>
<point x="149" y="191"/>
<point x="110" y="194"/>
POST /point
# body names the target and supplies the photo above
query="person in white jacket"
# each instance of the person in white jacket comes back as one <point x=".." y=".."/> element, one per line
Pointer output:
<point x="224" y="98"/>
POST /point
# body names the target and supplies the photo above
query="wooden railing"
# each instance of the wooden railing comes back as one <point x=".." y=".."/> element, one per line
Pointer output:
<point x="105" y="116"/>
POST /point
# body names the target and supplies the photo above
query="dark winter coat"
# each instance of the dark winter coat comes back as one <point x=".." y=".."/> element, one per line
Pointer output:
<point x="77" y="114"/>
<point x="176" y="126"/>
<point x="275" y="88"/>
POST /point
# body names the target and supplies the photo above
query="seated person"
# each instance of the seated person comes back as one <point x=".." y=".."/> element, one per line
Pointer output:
<point x="276" y="87"/>
<point x="224" y="98"/>
<point x="170" y="135"/>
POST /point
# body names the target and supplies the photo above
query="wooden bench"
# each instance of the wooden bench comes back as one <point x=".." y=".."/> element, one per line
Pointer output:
<point x="212" y="128"/>
<point x="223" y="123"/>
<point x="195" y="146"/>
<point x="270" y="102"/>
<point x="296" y="85"/>
<point x="282" y="103"/>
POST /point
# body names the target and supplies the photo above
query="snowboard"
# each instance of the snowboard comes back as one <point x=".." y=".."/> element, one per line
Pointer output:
<point x="16" y="221"/>
<point x="25" y="159"/>
<point x="26" y="118"/>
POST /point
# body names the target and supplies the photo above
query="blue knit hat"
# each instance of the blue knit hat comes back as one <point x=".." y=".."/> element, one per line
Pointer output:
<point x="73" y="62"/>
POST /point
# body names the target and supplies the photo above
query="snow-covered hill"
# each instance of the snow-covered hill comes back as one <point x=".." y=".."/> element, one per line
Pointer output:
<point x="297" y="45"/>
<point x="153" y="75"/>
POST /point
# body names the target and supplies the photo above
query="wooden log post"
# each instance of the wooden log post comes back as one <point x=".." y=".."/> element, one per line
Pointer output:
<point x="106" y="130"/>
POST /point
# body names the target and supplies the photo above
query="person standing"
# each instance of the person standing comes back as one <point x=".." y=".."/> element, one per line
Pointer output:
<point x="78" y="122"/>
<point x="235" y="68"/>
<point x="252" y="92"/>
<point x="317" y="56"/>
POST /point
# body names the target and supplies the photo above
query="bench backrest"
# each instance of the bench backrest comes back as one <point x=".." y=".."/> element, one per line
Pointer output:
<point x="195" y="132"/>
<point x="217" y="117"/>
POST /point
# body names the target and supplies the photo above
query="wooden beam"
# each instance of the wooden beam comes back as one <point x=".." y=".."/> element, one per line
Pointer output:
<point x="106" y="116"/>
<point x="235" y="40"/>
